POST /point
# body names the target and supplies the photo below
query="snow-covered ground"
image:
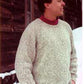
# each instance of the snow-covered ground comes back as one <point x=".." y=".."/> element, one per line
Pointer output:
<point x="77" y="34"/>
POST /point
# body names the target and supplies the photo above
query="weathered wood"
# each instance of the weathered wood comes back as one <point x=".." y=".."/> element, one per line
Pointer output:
<point x="9" y="44"/>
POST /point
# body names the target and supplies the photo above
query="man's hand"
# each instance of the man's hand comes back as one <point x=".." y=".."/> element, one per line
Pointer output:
<point x="72" y="82"/>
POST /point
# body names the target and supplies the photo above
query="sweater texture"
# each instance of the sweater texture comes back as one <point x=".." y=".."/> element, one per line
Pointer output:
<point x="46" y="54"/>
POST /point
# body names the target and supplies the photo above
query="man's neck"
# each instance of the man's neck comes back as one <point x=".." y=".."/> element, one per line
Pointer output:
<point x="49" y="16"/>
<point x="48" y="21"/>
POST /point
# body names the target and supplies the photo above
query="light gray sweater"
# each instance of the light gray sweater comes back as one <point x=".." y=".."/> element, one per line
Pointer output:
<point x="46" y="54"/>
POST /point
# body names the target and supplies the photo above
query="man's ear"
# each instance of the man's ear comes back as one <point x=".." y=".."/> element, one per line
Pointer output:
<point x="46" y="5"/>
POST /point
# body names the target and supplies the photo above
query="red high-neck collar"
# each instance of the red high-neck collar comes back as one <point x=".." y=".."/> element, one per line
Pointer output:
<point x="54" y="22"/>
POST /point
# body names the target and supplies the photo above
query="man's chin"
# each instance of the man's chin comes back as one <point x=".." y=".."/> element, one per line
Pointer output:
<point x="62" y="14"/>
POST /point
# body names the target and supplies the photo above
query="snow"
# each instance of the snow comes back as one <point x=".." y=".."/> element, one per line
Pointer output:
<point x="3" y="75"/>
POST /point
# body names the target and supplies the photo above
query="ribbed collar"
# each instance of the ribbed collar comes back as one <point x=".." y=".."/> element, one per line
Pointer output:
<point x="54" y="22"/>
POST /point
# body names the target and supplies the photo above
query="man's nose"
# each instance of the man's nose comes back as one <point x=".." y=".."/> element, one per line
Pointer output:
<point x="63" y="3"/>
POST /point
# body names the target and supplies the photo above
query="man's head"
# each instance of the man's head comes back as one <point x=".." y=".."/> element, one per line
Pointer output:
<point x="51" y="6"/>
<point x="41" y="3"/>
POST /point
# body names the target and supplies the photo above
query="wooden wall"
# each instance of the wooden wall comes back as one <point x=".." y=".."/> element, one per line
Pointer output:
<point x="12" y="25"/>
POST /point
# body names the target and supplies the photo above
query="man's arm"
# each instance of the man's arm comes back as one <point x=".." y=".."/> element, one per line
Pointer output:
<point x="25" y="56"/>
<point x="73" y="61"/>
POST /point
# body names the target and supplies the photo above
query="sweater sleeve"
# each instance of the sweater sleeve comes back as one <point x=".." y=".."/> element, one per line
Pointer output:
<point x="73" y="60"/>
<point x="25" y="57"/>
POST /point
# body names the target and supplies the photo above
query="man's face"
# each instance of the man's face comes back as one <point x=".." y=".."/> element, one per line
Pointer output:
<point x="56" y="7"/>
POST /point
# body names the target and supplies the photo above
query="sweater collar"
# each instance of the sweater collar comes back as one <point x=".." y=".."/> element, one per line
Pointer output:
<point x="54" y="22"/>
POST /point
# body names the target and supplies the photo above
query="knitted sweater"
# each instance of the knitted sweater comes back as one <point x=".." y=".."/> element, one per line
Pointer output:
<point x="46" y="54"/>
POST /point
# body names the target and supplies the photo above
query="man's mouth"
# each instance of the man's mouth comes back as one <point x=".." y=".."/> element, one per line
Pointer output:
<point x="62" y="9"/>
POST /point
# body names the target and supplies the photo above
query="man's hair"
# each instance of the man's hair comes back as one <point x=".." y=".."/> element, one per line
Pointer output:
<point x="41" y="6"/>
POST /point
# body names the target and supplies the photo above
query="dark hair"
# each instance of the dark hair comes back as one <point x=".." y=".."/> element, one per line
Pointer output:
<point x="41" y="6"/>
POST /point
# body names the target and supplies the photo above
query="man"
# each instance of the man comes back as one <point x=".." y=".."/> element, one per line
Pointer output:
<point x="46" y="53"/>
